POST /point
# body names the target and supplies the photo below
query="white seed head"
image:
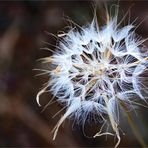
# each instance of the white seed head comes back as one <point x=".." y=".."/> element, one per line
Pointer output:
<point x="94" y="69"/>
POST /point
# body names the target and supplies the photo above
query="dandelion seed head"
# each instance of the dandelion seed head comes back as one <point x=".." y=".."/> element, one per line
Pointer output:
<point x="95" y="68"/>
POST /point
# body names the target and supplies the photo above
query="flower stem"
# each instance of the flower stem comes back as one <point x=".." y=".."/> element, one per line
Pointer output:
<point x="134" y="127"/>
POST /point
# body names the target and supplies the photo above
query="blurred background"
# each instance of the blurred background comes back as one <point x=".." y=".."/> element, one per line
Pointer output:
<point x="23" y="31"/>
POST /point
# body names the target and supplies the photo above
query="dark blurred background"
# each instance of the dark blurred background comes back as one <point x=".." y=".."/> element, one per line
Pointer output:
<point x="23" y="28"/>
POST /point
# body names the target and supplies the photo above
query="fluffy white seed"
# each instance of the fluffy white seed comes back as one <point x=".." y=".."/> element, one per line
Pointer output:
<point x="95" y="69"/>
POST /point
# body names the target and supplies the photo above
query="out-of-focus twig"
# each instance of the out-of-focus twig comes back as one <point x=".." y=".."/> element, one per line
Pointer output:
<point x="8" y="41"/>
<point x="24" y="113"/>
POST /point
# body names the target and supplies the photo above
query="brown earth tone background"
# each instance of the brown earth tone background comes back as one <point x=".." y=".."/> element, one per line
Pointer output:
<point x="22" y="32"/>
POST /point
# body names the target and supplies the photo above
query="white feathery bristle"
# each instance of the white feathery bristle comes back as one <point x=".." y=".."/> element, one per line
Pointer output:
<point x="95" y="69"/>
